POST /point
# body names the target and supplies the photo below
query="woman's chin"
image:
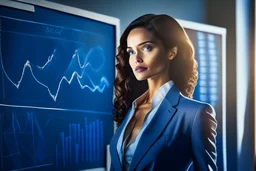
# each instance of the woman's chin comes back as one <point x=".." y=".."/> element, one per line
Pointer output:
<point x="140" y="78"/>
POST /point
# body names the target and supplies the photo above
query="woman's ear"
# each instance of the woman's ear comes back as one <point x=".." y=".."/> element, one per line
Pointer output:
<point x="172" y="53"/>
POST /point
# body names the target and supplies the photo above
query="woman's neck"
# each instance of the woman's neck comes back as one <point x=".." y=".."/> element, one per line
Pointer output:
<point x="154" y="85"/>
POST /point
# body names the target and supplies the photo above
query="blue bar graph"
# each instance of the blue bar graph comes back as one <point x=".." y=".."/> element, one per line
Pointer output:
<point x="67" y="143"/>
<point x="57" y="156"/>
<point x="54" y="141"/>
<point x="82" y="141"/>
<point x="90" y="142"/>
<point x="98" y="137"/>
<point x="77" y="154"/>
<point x="63" y="148"/>
<point x="82" y="144"/>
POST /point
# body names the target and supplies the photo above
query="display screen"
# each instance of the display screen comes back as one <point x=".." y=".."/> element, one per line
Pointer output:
<point x="56" y="90"/>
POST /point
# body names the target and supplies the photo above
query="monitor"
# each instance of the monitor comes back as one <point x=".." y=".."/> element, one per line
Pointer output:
<point x="57" y="67"/>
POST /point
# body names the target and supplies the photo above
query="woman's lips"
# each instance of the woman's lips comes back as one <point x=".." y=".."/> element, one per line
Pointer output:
<point x="140" y="69"/>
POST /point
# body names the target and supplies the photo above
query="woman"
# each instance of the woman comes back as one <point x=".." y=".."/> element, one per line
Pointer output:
<point x="162" y="129"/>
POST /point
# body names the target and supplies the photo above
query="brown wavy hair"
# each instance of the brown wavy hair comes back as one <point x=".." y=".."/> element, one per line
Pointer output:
<point x="183" y="68"/>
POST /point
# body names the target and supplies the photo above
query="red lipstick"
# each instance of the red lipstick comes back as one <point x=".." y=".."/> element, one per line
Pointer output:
<point x="140" y="69"/>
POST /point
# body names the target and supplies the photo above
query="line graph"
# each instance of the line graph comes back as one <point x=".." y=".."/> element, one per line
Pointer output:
<point x="55" y="66"/>
<point x="100" y="87"/>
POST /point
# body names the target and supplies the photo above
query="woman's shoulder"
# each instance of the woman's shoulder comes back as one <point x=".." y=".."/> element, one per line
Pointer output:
<point x="201" y="114"/>
<point x="192" y="104"/>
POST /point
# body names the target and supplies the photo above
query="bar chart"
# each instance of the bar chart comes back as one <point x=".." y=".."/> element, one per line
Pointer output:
<point x="83" y="143"/>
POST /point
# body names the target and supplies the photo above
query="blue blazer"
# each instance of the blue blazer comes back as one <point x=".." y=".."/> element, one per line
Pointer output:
<point x="182" y="132"/>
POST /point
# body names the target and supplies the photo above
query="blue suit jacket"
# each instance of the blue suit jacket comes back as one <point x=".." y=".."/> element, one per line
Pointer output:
<point x="182" y="132"/>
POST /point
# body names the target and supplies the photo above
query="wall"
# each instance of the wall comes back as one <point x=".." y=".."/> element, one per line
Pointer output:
<point x="127" y="11"/>
<point x="245" y="80"/>
<point x="237" y="17"/>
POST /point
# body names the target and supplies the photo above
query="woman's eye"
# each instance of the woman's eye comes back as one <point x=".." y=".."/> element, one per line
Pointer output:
<point x="147" y="48"/>
<point x="130" y="52"/>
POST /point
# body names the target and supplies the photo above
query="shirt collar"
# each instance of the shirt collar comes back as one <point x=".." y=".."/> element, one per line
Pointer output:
<point x="158" y="96"/>
<point x="140" y="99"/>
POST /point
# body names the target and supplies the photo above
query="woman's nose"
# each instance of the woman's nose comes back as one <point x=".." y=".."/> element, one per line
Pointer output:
<point x="138" y="59"/>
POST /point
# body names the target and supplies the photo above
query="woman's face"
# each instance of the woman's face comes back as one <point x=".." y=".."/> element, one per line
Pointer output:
<point x="148" y="57"/>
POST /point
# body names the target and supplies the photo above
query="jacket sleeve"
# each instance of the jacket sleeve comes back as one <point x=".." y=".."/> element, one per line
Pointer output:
<point x="203" y="139"/>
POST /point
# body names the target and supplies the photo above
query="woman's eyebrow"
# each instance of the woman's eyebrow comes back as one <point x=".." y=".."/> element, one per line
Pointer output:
<point x="148" y="41"/>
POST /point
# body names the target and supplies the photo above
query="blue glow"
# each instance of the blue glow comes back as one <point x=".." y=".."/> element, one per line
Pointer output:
<point x="202" y="51"/>
<point x="208" y="65"/>
<point x="201" y="57"/>
<point x="203" y="90"/>
<point x="203" y="97"/>
<point x="202" y="69"/>
<point x="212" y="52"/>
<point x="203" y="63"/>
<point x="211" y="45"/>
<point x="201" y="44"/>
<point x="211" y="37"/>
<point x="202" y="76"/>
<point x="214" y="77"/>
<point x="202" y="83"/>
<point x="213" y="70"/>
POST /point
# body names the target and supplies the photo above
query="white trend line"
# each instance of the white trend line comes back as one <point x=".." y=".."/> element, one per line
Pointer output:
<point x="82" y="86"/>
<point x="76" y="54"/>
<point x="54" y="97"/>
<point x="48" y="61"/>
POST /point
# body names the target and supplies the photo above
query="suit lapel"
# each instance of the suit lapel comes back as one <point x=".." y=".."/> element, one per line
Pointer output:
<point x="157" y="125"/>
